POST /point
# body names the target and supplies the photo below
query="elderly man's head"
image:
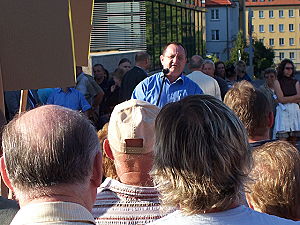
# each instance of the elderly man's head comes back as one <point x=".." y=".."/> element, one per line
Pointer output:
<point x="202" y="155"/>
<point x="50" y="148"/>
<point x="208" y="67"/>
<point x="274" y="187"/>
<point x="130" y="140"/>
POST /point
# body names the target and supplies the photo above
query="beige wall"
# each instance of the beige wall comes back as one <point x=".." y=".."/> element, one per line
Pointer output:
<point x="286" y="34"/>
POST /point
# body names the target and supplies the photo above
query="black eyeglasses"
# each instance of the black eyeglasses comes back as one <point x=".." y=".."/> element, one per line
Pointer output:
<point x="289" y="68"/>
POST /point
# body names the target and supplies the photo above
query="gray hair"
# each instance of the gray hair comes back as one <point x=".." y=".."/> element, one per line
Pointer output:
<point x="49" y="146"/>
<point x="207" y="61"/>
<point x="196" y="62"/>
<point x="202" y="155"/>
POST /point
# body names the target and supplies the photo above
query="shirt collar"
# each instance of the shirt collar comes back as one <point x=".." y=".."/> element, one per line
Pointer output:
<point x="68" y="90"/>
<point x="179" y="79"/>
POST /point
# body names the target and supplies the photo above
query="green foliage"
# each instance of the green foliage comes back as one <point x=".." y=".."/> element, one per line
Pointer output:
<point x="239" y="44"/>
<point x="213" y="58"/>
<point x="263" y="58"/>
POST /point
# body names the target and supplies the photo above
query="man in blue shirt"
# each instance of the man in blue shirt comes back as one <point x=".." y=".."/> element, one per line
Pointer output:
<point x="160" y="90"/>
<point x="69" y="98"/>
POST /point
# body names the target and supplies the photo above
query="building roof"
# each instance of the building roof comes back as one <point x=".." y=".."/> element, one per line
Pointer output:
<point x="272" y="2"/>
<point x="217" y="2"/>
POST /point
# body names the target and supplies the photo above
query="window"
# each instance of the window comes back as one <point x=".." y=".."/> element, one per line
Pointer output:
<point x="292" y="55"/>
<point x="215" y="14"/>
<point x="261" y="40"/>
<point x="271" y="41"/>
<point x="291" y="13"/>
<point x="271" y="28"/>
<point x="281" y="28"/>
<point x="281" y="13"/>
<point x="292" y="41"/>
<point x="215" y="35"/>
<point x="281" y="55"/>
<point x="291" y="27"/>
<point x="271" y="14"/>
<point x="261" y="28"/>
<point x="281" y="41"/>
<point x="261" y="14"/>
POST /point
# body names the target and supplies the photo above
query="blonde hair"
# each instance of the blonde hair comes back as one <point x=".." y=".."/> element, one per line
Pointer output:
<point x="251" y="106"/>
<point x="108" y="166"/>
<point x="202" y="155"/>
<point x="275" y="184"/>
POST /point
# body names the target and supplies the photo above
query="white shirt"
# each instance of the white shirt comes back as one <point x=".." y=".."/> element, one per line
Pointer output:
<point x="208" y="84"/>
<point x="237" y="216"/>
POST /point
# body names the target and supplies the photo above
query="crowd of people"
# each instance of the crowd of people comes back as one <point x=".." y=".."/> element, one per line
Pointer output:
<point x="171" y="148"/>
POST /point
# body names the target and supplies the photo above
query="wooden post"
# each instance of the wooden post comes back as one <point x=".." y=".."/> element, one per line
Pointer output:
<point x="23" y="101"/>
<point x="3" y="188"/>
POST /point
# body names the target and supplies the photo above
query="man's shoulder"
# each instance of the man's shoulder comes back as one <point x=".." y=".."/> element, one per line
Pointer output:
<point x="151" y="79"/>
<point x="53" y="213"/>
<point x="198" y="75"/>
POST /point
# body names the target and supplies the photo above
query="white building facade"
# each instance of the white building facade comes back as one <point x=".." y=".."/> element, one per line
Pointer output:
<point x="222" y="27"/>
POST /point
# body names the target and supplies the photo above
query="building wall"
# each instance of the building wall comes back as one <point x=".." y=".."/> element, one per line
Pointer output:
<point x="285" y="50"/>
<point x="228" y="27"/>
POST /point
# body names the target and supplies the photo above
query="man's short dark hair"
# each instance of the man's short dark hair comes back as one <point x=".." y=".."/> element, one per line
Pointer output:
<point x="173" y="43"/>
<point x="48" y="146"/>
<point x="141" y="56"/>
<point x="195" y="62"/>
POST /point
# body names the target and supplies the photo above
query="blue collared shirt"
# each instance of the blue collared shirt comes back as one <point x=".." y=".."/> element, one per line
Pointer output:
<point x="148" y="90"/>
<point x="71" y="99"/>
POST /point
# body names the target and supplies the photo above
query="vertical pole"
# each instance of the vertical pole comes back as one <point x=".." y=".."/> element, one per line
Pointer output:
<point x="23" y="101"/>
<point x="3" y="188"/>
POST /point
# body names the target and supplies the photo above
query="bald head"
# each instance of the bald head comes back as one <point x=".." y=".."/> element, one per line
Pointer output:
<point x="195" y="63"/>
<point x="49" y="146"/>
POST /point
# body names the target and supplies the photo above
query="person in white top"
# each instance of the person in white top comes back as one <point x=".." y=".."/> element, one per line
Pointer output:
<point x="208" y="84"/>
<point x="202" y="160"/>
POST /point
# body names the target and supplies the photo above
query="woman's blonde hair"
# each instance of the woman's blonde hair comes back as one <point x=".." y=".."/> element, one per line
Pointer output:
<point x="108" y="166"/>
<point x="275" y="184"/>
<point x="202" y="155"/>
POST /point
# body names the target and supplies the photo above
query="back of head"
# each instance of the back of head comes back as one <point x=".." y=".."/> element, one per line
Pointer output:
<point x="208" y="61"/>
<point x="49" y="146"/>
<point x="251" y="106"/>
<point x="274" y="188"/>
<point x="202" y="156"/>
<point x="241" y="66"/>
<point x="141" y="56"/>
<point x="195" y="62"/>
<point x="131" y="127"/>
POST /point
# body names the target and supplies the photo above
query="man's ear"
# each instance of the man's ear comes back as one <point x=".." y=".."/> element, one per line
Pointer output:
<point x="161" y="58"/>
<point x="107" y="149"/>
<point x="96" y="178"/>
<point x="4" y="174"/>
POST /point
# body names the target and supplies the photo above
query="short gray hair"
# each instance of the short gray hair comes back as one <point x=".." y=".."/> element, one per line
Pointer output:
<point x="207" y="61"/>
<point x="196" y="62"/>
<point x="49" y="146"/>
<point x="202" y="155"/>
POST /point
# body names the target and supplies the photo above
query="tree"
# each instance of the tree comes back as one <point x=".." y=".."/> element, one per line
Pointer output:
<point x="239" y="45"/>
<point x="263" y="58"/>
